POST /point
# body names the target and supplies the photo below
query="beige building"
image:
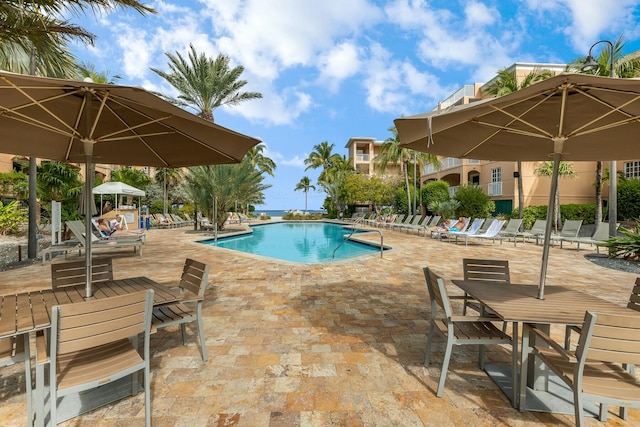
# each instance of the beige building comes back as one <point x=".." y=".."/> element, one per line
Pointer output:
<point x="498" y="179"/>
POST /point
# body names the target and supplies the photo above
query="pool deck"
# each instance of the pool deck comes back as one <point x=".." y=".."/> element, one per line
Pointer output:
<point x="336" y="344"/>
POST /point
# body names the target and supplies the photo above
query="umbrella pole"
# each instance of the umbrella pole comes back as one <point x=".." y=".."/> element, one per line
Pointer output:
<point x="547" y="231"/>
<point x="89" y="171"/>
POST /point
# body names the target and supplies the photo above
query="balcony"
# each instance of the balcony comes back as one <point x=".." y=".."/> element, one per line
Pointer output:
<point x="452" y="191"/>
<point x="495" y="189"/>
<point x="360" y="158"/>
<point x="446" y="163"/>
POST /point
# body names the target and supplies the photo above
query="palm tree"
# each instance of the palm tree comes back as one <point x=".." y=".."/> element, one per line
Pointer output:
<point x="168" y="178"/>
<point x="322" y="156"/>
<point x="305" y="185"/>
<point x="86" y="70"/>
<point x="223" y="185"/>
<point x="30" y="27"/>
<point x="625" y="67"/>
<point x="391" y="153"/>
<point x="259" y="161"/>
<point x="505" y="83"/>
<point x="204" y="83"/>
<point x="564" y="169"/>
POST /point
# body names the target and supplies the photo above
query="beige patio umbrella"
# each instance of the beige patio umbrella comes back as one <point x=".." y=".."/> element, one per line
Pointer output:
<point x="85" y="122"/>
<point x="569" y="117"/>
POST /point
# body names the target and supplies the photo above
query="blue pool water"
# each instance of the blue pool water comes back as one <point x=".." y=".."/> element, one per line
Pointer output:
<point x="305" y="242"/>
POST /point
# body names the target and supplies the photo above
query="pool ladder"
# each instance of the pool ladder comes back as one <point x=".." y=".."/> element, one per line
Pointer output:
<point x="353" y="230"/>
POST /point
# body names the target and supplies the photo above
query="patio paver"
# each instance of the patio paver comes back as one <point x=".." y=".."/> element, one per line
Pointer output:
<point x="315" y="345"/>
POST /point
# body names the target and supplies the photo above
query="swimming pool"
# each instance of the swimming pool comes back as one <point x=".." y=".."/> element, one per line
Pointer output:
<point x="305" y="242"/>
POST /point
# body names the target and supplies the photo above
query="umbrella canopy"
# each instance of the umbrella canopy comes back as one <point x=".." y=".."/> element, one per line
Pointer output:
<point x="569" y="117"/>
<point x="114" y="187"/>
<point x="85" y="122"/>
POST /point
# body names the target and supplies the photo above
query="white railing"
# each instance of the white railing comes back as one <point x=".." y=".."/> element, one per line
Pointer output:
<point x="452" y="191"/>
<point x="363" y="157"/>
<point x="473" y="161"/>
<point x="495" y="189"/>
<point x="464" y="91"/>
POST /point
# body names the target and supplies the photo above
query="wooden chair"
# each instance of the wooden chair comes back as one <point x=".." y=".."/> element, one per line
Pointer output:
<point x="457" y="330"/>
<point x="193" y="283"/>
<point x="91" y="346"/>
<point x="15" y="349"/>
<point x="596" y="370"/>
<point x="74" y="273"/>
<point x="633" y="304"/>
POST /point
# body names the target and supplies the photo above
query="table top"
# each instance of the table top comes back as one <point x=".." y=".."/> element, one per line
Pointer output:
<point x="519" y="303"/>
<point x="31" y="311"/>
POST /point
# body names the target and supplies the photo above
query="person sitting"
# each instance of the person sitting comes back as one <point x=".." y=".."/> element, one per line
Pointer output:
<point x="447" y="225"/>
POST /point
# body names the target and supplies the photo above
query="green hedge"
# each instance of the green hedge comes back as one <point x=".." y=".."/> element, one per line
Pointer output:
<point x="585" y="212"/>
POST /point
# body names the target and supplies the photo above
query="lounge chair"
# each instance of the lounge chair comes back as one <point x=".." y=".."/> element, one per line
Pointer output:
<point x="512" y="229"/>
<point x="599" y="236"/>
<point x="457" y="330"/>
<point x="78" y="229"/>
<point x="485" y="225"/>
<point x="98" y="233"/>
<point x="492" y="233"/>
<point x="570" y="230"/>
<point x="473" y="229"/>
<point x="441" y="234"/>
<point x="65" y="247"/>
<point x="415" y="223"/>
<point x="426" y="224"/>
<point x="536" y="232"/>
<point x="397" y="219"/>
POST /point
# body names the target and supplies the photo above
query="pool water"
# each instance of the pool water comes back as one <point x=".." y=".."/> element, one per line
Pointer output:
<point x="305" y="242"/>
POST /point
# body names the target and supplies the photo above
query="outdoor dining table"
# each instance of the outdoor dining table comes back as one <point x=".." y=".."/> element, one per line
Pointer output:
<point x="518" y="303"/>
<point x="28" y="312"/>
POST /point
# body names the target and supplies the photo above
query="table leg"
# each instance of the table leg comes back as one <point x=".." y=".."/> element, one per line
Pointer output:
<point x="515" y="398"/>
<point x="538" y="375"/>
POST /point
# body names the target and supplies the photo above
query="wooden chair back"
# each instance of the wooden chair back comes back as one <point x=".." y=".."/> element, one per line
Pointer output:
<point x="75" y="273"/>
<point x="486" y="270"/>
<point x="195" y="275"/>
<point x="84" y="325"/>
<point x="609" y="338"/>
<point x="437" y="293"/>
<point x="634" y="298"/>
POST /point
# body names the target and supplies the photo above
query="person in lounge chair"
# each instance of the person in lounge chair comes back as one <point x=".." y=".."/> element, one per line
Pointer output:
<point x="446" y="226"/>
<point x="106" y="230"/>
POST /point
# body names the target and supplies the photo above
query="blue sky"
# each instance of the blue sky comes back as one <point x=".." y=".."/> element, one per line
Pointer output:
<point x="335" y="69"/>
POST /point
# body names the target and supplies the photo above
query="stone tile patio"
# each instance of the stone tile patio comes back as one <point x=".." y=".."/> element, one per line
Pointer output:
<point x="338" y="344"/>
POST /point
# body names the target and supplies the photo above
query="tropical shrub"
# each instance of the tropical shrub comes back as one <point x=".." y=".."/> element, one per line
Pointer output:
<point x="434" y="191"/>
<point x="626" y="246"/>
<point x="629" y="198"/>
<point x="446" y="209"/>
<point x="12" y="215"/>
<point x="474" y="203"/>
<point x="585" y="212"/>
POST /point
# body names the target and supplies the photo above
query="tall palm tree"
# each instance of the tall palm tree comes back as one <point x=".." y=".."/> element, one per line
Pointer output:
<point x="168" y="178"/>
<point x="204" y="83"/>
<point x="505" y="83"/>
<point x="322" y="156"/>
<point x="305" y="185"/>
<point x="392" y="153"/>
<point x="35" y="27"/>
<point x="259" y="161"/>
<point x="625" y="67"/>
<point x="565" y="169"/>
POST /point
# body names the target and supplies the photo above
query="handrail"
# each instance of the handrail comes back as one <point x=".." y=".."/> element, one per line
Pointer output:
<point x="351" y="234"/>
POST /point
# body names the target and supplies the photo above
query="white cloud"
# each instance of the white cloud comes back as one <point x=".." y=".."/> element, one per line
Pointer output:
<point x="479" y="15"/>
<point x="339" y="63"/>
<point x="296" y="161"/>
<point x="589" y="19"/>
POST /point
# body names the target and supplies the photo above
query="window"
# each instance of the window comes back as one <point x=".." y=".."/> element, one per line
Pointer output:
<point x="496" y="175"/>
<point x="632" y="169"/>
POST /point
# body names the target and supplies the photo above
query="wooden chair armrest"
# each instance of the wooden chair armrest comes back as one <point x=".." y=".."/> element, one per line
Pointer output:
<point x="473" y="319"/>
<point x="565" y="354"/>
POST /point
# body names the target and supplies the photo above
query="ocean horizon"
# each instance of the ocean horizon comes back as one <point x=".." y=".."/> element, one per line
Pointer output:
<point x="281" y="212"/>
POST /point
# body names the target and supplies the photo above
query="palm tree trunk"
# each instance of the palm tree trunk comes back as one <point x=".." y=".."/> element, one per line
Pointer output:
<point x="598" y="184"/>
<point x="406" y="183"/>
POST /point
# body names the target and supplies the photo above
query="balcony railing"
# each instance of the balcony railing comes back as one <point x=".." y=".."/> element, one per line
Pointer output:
<point x="495" y="189"/>
<point x="363" y="157"/>
<point x="452" y="191"/>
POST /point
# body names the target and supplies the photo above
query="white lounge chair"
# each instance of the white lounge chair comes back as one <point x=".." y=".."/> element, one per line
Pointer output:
<point x="492" y="233"/>
<point x="473" y="229"/>
<point x="78" y="229"/>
